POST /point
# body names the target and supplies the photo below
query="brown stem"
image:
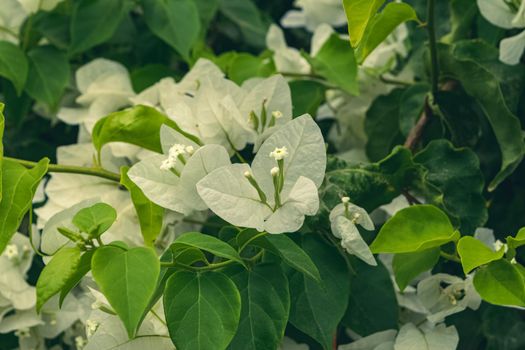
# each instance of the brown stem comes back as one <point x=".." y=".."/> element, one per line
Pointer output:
<point x="417" y="131"/>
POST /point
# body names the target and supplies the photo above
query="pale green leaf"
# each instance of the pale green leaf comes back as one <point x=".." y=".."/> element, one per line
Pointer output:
<point x="474" y="253"/>
<point x="414" y="229"/>
<point x="95" y="220"/>
<point x="128" y="279"/>
<point x="359" y="13"/>
<point x="208" y="243"/>
<point x="500" y="283"/>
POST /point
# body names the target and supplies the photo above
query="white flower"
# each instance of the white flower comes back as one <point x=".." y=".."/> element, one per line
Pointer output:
<point x="279" y="153"/>
<point x="274" y="171"/>
<point x="80" y="342"/>
<point x="345" y="200"/>
<point x="176" y="150"/>
<point x="11" y="251"/>
<point x="247" y="174"/>
<point x="313" y="13"/>
<point x="91" y="327"/>
<point x="23" y="333"/>
<point x="508" y="15"/>
<point x="190" y="150"/>
<point x="168" y="164"/>
<point x="277" y="114"/>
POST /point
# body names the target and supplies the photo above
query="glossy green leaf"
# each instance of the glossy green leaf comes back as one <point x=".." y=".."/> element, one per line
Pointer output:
<point x="291" y="253"/>
<point x="359" y="13"/>
<point x="474" y="253"/>
<point x="128" y="279"/>
<point x="408" y="266"/>
<point x="18" y="188"/>
<point x="202" y="310"/>
<point x="500" y="283"/>
<point x="307" y="96"/>
<point x="381" y="25"/>
<point x="94" y="22"/>
<point x="245" y="66"/>
<point x="176" y="22"/>
<point x="318" y="307"/>
<point x="13" y="65"/>
<point x="265" y="300"/>
<point x="96" y="219"/>
<point x="518" y="240"/>
<point x="83" y="267"/>
<point x="56" y="273"/>
<point x="414" y="229"/>
<point x="372" y="306"/>
<point x="484" y="86"/>
<point x="336" y="62"/>
<point x="207" y="243"/>
<point x="454" y="182"/>
<point x="139" y="126"/>
<point x="48" y="74"/>
<point x="150" y="214"/>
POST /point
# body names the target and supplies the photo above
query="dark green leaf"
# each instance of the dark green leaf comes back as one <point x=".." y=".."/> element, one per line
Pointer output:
<point x="265" y="300"/>
<point x="373" y="305"/>
<point x="202" y="310"/>
<point x="207" y="243"/>
<point x="317" y="308"/>
<point x="13" y="65"/>
<point x="94" y="22"/>
<point x="245" y="66"/>
<point x="245" y="14"/>
<point x="307" y="96"/>
<point x="408" y="266"/>
<point x="48" y="74"/>
<point x="176" y="22"/>
<point x="411" y="105"/>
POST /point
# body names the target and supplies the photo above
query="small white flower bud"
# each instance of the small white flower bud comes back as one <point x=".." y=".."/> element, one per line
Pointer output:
<point x="91" y="327"/>
<point x="247" y="174"/>
<point x="345" y="200"/>
<point x="176" y="149"/>
<point x="80" y="342"/>
<point x="279" y="153"/>
<point x="96" y="305"/>
<point x="274" y="171"/>
<point x="190" y="150"/>
<point x="168" y="163"/>
<point x="277" y="114"/>
<point x="11" y="251"/>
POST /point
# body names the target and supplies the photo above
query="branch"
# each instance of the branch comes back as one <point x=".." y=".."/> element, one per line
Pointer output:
<point x="71" y="169"/>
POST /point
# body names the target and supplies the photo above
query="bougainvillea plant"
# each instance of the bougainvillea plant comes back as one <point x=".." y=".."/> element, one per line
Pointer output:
<point x="238" y="174"/>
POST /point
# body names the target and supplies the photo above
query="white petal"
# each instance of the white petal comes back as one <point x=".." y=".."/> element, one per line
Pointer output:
<point x="511" y="49"/>
<point x="351" y="240"/>
<point x="229" y="195"/>
<point x="496" y="12"/>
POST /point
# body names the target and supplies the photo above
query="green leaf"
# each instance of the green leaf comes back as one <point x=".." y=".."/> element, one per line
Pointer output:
<point x="307" y="96"/>
<point x="373" y="305"/>
<point x="128" y="279"/>
<point x="138" y="126"/>
<point x="18" y="188"/>
<point x="202" y="310"/>
<point x="56" y="274"/>
<point x="317" y="308"/>
<point x="291" y="253"/>
<point x="518" y="240"/>
<point x="414" y="229"/>
<point x="48" y="74"/>
<point x="265" y="300"/>
<point x="246" y="15"/>
<point x="500" y="283"/>
<point x="382" y="124"/>
<point x="150" y="214"/>
<point x="411" y="105"/>
<point x="336" y="62"/>
<point x="408" y="266"/>
<point x="96" y="219"/>
<point x="474" y="253"/>
<point x="13" y="65"/>
<point x="94" y="22"/>
<point x="82" y="269"/>
<point x="381" y="25"/>
<point x="208" y="243"/>
<point x="176" y="22"/>
<point x="370" y="185"/>
<point x="454" y="182"/>
<point x="245" y="66"/>
<point x="484" y="86"/>
<point x="359" y="13"/>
